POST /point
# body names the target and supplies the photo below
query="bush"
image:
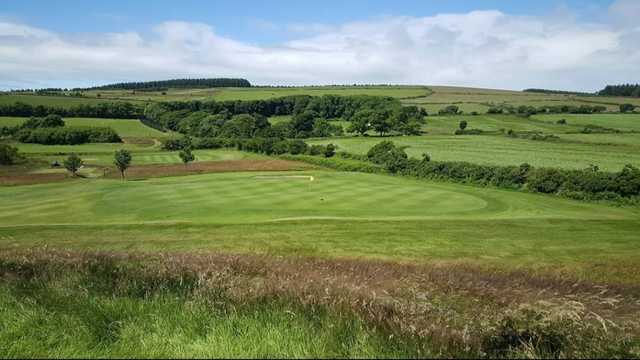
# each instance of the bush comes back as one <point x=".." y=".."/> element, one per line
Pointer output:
<point x="329" y="150"/>
<point x="626" y="108"/>
<point x="8" y="154"/>
<point x="546" y="180"/>
<point x="49" y="121"/>
<point x="68" y="135"/>
<point x="450" y="110"/>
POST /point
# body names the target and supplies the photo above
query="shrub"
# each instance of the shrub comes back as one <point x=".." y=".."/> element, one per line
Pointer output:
<point x="561" y="122"/>
<point x="450" y="110"/>
<point x="297" y="147"/>
<point x="546" y="180"/>
<point x="68" y="135"/>
<point x="329" y="150"/>
<point x="73" y="163"/>
<point x="316" y="150"/>
<point x="626" y="108"/>
<point x="8" y="154"/>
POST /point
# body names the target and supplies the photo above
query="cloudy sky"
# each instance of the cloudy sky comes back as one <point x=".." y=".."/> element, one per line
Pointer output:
<point x="577" y="45"/>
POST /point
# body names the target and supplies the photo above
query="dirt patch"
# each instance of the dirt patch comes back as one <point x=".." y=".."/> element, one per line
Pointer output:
<point x="141" y="141"/>
<point x="160" y="170"/>
<point x="27" y="179"/>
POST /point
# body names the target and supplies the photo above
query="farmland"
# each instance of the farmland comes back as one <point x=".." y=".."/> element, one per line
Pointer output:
<point x="247" y="253"/>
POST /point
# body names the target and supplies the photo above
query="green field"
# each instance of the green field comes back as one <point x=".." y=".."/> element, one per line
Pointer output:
<point x="314" y="262"/>
<point x="258" y="93"/>
<point x="335" y="214"/>
<point x="49" y="100"/>
<point x="502" y="150"/>
<point x="624" y="122"/>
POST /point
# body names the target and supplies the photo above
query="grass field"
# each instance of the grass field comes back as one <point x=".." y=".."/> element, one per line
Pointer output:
<point x="335" y="215"/>
<point x="247" y="255"/>
<point x="48" y="100"/>
<point x="502" y="150"/>
<point x="479" y="100"/>
<point x="623" y="122"/>
<point x="258" y="93"/>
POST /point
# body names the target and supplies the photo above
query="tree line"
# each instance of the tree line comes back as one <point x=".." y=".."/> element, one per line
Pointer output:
<point x="310" y="117"/>
<point x="631" y="90"/>
<point x="109" y="110"/>
<point x="558" y="92"/>
<point x="51" y="130"/>
<point x="173" y="83"/>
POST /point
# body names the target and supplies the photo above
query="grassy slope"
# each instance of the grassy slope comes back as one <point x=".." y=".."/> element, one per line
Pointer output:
<point x="61" y="101"/>
<point x="501" y="150"/>
<point x="420" y="221"/>
<point x="101" y="325"/>
<point x="623" y="122"/>
<point x="258" y="93"/>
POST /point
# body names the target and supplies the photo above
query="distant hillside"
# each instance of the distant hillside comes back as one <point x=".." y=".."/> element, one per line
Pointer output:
<point x="632" y="90"/>
<point x="175" y="83"/>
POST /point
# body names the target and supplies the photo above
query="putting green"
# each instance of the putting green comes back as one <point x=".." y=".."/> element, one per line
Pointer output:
<point x="233" y="198"/>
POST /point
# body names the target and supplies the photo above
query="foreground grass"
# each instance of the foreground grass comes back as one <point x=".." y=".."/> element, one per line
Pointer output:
<point x="59" y="304"/>
<point x="72" y="317"/>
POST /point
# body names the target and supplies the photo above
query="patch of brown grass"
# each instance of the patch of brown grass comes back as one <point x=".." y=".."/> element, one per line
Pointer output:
<point x="28" y="179"/>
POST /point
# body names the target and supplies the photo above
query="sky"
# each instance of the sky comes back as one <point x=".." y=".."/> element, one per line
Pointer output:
<point x="569" y="45"/>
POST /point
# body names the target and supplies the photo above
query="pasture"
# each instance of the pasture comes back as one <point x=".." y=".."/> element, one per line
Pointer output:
<point x="257" y="93"/>
<point x="502" y="150"/>
<point x="50" y="100"/>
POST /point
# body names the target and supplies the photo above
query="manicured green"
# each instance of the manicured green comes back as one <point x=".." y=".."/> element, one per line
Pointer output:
<point x="336" y="214"/>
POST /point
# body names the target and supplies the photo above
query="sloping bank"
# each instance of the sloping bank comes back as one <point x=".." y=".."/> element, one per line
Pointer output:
<point x="61" y="304"/>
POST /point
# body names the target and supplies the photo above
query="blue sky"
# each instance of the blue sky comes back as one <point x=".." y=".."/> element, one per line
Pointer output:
<point x="506" y="44"/>
<point x="248" y="20"/>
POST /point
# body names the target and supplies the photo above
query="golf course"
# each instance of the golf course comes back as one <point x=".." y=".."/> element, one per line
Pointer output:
<point x="343" y="221"/>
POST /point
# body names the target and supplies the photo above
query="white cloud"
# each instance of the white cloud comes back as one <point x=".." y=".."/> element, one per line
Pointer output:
<point x="480" y="48"/>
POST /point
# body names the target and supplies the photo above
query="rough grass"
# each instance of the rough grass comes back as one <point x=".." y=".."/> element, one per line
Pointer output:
<point x="114" y="305"/>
